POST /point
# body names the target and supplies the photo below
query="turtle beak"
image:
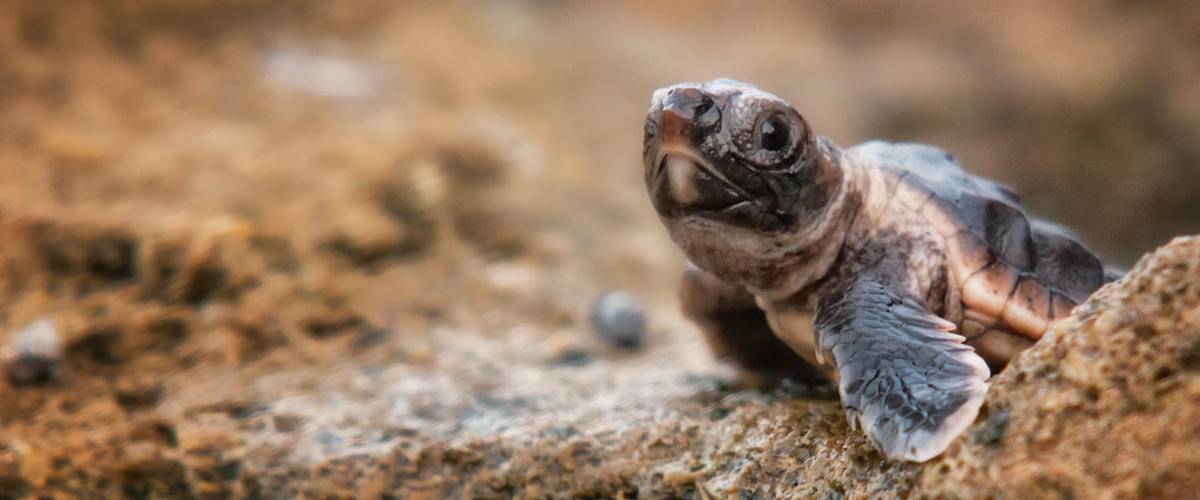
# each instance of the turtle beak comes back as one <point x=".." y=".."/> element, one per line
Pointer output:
<point x="680" y="180"/>
<point x="676" y="183"/>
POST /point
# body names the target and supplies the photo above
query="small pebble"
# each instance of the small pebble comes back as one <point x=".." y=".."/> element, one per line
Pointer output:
<point x="34" y="356"/>
<point x="619" y="319"/>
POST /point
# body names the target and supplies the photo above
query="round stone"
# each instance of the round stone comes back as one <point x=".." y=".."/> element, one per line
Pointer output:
<point x="619" y="319"/>
<point x="34" y="354"/>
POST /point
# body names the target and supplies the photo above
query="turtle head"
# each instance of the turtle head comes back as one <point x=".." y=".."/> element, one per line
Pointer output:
<point x="739" y="178"/>
<point x="732" y="154"/>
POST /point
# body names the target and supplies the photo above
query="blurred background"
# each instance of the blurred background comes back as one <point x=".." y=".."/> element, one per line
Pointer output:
<point x="368" y="221"/>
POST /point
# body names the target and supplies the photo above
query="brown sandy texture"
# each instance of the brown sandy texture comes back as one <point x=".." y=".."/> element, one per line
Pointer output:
<point x="1105" y="405"/>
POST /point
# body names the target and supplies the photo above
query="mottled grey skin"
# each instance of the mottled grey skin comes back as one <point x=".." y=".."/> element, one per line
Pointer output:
<point x="883" y="267"/>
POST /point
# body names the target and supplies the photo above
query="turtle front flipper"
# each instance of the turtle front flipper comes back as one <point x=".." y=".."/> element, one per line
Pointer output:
<point x="911" y="383"/>
<point x="738" y="331"/>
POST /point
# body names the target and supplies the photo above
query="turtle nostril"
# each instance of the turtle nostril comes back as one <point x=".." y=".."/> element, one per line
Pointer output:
<point x="706" y="112"/>
<point x="692" y="106"/>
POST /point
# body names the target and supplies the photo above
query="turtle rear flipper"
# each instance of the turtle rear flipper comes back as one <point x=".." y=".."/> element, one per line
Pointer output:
<point x="911" y="383"/>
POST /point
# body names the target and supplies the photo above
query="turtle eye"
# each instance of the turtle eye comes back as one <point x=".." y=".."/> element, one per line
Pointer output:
<point x="773" y="133"/>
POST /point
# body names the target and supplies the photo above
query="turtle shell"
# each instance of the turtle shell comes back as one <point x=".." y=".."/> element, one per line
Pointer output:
<point x="1014" y="273"/>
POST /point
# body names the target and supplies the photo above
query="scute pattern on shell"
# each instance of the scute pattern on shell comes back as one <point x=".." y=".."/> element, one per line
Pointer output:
<point x="1017" y="271"/>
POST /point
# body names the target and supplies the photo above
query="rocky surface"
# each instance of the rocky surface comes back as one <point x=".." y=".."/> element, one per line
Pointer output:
<point x="1106" y="404"/>
<point x="348" y="250"/>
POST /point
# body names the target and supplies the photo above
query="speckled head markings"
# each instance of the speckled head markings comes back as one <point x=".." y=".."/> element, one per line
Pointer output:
<point x="726" y="158"/>
<point x="918" y="278"/>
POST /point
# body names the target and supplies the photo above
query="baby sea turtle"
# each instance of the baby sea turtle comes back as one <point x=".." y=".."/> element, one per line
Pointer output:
<point x="883" y="267"/>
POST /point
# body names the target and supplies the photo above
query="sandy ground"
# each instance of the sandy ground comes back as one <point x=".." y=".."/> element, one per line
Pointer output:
<point x="348" y="249"/>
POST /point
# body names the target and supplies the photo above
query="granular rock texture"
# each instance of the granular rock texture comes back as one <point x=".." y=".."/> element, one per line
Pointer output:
<point x="347" y="249"/>
<point x="1107" y="404"/>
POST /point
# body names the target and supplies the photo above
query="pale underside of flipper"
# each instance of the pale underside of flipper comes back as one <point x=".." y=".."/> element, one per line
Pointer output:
<point x="903" y="375"/>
